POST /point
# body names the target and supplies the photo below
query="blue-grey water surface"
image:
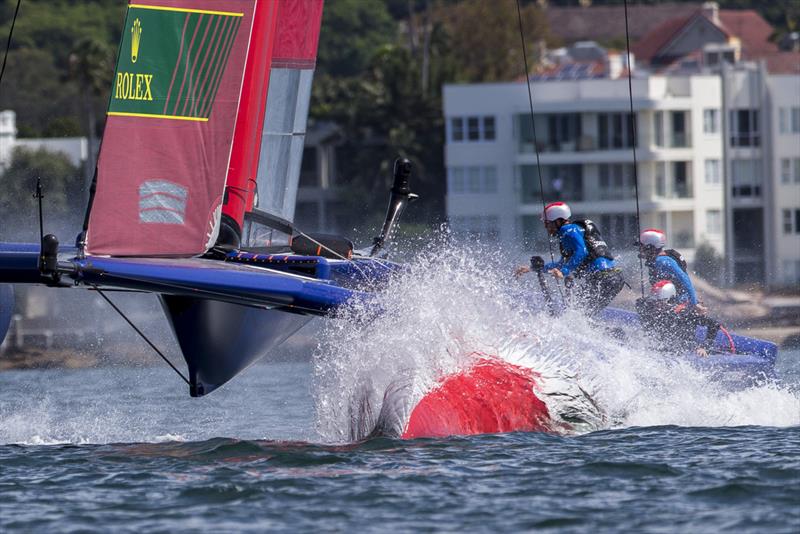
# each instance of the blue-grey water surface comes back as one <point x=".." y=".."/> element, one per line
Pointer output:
<point x="126" y="449"/>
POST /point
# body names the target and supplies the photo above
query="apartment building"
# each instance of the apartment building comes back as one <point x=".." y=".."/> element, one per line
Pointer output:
<point x="717" y="141"/>
<point x="585" y="148"/>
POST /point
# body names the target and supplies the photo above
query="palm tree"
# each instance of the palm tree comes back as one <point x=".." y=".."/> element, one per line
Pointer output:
<point x="90" y="66"/>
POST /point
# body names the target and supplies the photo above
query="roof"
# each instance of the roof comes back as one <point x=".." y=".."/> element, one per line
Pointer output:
<point x="574" y="70"/>
<point x="782" y="62"/>
<point x="602" y="23"/>
<point x="648" y="46"/>
<point x="752" y="31"/>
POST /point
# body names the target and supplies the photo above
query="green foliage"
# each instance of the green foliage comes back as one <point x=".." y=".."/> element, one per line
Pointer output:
<point x="708" y="264"/>
<point x="38" y="84"/>
<point x="33" y="88"/>
<point x="62" y="183"/>
<point x="62" y="127"/>
<point x="351" y="32"/>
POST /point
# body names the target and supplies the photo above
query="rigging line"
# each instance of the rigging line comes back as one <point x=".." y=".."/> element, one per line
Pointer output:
<point x="535" y="144"/>
<point x="8" y="44"/>
<point x="632" y="119"/>
<point x="351" y="260"/>
<point x="533" y="123"/>
<point x="141" y="334"/>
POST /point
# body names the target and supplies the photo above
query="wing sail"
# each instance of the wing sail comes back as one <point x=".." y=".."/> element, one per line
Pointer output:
<point x="268" y="145"/>
<point x="171" y="116"/>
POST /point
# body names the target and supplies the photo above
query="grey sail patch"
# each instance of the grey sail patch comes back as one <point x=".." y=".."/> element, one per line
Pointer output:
<point x="161" y="201"/>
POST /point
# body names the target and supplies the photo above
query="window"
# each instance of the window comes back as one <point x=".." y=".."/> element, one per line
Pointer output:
<point x="476" y="227"/>
<point x="790" y="170"/>
<point x="555" y="132"/>
<point x="795" y="120"/>
<point x="473" y="129"/>
<point x="712" y="172"/>
<point x="746" y="177"/>
<point x="787" y="221"/>
<point x="714" y="222"/>
<point x="472" y="180"/>
<point x="489" y="180"/>
<point x="615" y="181"/>
<point x="457" y="129"/>
<point x="791" y="271"/>
<point x="783" y="120"/>
<point x="615" y="131"/>
<point x="564" y="182"/>
<point x="680" y="174"/>
<point x="456" y="180"/>
<point x="616" y="229"/>
<point x="744" y="127"/>
<point x="659" y="128"/>
<point x="711" y="121"/>
<point x="661" y="179"/>
<point x="488" y="128"/>
<point x="680" y="137"/>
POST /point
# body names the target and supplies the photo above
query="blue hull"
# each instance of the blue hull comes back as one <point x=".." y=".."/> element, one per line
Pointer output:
<point x="227" y="313"/>
<point x="219" y="340"/>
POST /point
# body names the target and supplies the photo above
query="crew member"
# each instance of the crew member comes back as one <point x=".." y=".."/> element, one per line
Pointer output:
<point x="585" y="258"/>
<point x="666" y="264"/>
<point x="671" y="324"/>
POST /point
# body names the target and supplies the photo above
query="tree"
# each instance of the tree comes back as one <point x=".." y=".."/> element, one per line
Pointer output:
<point x="351" y="32"/>
<point x="485" y="39"/>
<point x="707" y="263"/>
<point x="63" y="197"/>
<point x="90" y="66"/>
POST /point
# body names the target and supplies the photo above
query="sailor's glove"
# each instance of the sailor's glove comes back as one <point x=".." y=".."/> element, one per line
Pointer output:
<point x="537" y="263"/>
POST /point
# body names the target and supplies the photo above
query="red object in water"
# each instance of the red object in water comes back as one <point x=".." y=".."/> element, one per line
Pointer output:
<point x="490" y="397"/>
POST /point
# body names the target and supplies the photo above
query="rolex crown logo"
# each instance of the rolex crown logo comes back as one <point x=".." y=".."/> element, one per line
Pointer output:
<point x="136" y="38"/>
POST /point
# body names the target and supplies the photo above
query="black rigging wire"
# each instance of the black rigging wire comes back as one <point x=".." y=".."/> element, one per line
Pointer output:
<point x="141" y="334"/>
<point x="533" y="124"/>
<point x="8" y="43"/>
<point x="533" y="130"/>
<point x="632" y="119"/>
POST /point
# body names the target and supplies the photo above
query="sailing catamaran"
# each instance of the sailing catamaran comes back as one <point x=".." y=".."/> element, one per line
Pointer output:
<point x="194" y="192"/>
<point x="193" y="200"/>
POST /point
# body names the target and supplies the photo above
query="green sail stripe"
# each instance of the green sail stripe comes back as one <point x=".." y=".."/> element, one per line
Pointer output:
<point x="171" y="63"/>
<point x="204" y="46"/>
<point x="207" y="62"/>
<point x="195" y="46"/>
<point x="176" y="68"/>
<point x="190" y="40"/>
<point x="220" y="66"/>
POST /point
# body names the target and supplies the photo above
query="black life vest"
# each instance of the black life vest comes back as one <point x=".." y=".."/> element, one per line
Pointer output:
<point x="595" y="244"/>
<point x="678" y="257"/>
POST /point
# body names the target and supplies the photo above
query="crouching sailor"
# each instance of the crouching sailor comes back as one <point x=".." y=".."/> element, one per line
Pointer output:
<point x="585" y="258"/>
<point x="667" y="264"/>
<point x="671" y="324"/>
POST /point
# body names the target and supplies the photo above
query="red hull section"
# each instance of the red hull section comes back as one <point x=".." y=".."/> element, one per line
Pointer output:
<point x="490" y="397"/>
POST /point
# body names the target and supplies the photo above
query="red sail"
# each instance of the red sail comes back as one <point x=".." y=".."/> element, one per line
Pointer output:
<point x="168" y="137"/>
<point x="270" y="129"/>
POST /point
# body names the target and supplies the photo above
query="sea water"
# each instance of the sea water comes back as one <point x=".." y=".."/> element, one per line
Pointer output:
<point x="658" y="446"/>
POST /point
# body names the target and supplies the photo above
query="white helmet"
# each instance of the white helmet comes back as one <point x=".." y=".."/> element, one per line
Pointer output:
<point x="653" y="238"/>
<point x="555" y="211"/>
<point x="663" y="290"/>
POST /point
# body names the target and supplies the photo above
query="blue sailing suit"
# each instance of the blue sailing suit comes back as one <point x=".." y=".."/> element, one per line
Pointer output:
<point x="600" y="279"/>
<point x="664" y="267"/>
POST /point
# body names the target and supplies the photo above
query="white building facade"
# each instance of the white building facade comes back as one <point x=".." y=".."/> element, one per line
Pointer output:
<point x="75" y="148"/>
<point x="695" y="134"/>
